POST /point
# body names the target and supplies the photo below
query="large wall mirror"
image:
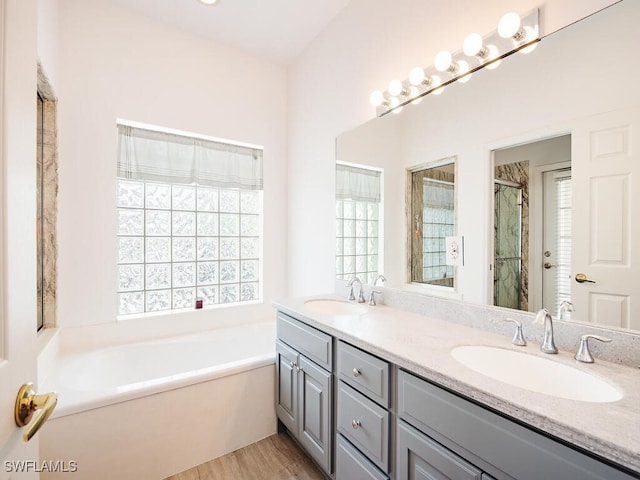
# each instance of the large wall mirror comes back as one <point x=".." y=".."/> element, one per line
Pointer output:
<point x="546" y="174"/>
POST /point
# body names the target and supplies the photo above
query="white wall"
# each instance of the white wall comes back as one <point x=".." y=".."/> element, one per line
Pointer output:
<point x="367" y="45"/>
<point x="111" y="63"/>
<point x="47" y="37"/>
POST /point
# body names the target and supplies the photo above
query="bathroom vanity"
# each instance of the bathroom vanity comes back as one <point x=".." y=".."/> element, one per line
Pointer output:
<point x="376" y="394"/>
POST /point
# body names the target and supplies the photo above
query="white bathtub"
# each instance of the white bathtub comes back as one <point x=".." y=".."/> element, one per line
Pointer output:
<point x="152" y="408"/>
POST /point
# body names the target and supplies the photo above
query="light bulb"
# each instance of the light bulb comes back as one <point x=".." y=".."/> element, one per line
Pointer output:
<point x="463" y="68"/>
<point x="435" y="83"/>
<point x="509" y="25"/>
<point x="472" y="45"/>
<point x="413" y="93"/>
<point x="443" y="61"/>
<point x="493" y="53"/>
<point x="416" y="76"/>
<point x="209" y="2"/>
<point x="393" y="105"/>
<point x="395" y="88"/>
<point x="376" y="98"/>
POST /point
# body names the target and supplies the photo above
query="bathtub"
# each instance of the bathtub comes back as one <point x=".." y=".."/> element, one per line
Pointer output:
<point x="152" y="408"/>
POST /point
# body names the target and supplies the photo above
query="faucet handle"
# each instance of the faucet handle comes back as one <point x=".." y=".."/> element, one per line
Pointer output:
<point x="372" y="300"/>
<point x="518" y="336"/>
<point x="583" y="354"/>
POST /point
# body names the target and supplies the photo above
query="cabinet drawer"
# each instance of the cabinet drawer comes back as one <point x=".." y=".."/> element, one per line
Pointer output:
<point x="364" y="372"/>
<point x="312" y="343"/>
<point x="352" y="465"/>
<point x="497" y="445"/>
<point x="419" y="457"/>
<point x="365" y="424"/>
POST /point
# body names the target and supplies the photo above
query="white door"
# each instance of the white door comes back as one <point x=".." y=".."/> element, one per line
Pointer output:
<point x="606" y="228"/>
<point x="18" y="84"/>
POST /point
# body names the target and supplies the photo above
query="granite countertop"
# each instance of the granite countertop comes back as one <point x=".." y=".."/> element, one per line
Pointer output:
<point x="422" y="344"/>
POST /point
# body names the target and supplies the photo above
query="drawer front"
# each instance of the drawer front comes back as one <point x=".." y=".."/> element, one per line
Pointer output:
<point x="419" y="457"/>
<point x="312" y="343"/>
<point x="352" y="465"/>
<point x="365" y="424"/>
<point x="495" y="444"/>
<point x="364" y="372"/>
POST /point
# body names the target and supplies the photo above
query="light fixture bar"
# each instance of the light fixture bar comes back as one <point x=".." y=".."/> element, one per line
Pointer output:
<point x="522" y="35"/>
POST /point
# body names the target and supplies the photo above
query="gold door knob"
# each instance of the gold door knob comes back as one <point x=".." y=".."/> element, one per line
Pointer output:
<point x="582" y="278"/>
<point x="27" y="402"/>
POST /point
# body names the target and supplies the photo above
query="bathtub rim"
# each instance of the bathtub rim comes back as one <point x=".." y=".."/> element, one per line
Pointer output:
<point x="60" y="349"/>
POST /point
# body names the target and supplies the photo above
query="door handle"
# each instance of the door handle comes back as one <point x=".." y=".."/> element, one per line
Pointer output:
<point x="582" y="278"/>
<point x="548" y="265"/>
<point x="27" y="403"/>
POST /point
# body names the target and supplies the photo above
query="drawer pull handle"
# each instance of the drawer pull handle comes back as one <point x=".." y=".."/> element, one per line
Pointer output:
<point x="355" y="424"/>
<point x="292" y="364"/>
<point x="356" y="372"/>
<point x="298" y="369"/>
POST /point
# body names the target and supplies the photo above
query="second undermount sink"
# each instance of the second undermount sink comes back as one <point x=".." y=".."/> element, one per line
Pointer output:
<point x="334" y="307"/>
<point x="536" y="374"/>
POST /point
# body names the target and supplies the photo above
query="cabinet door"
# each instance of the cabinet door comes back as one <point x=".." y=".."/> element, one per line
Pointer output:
<point x="314" y="387"/>
<point x="287" y="386"/>
<point x="421" y="458"/>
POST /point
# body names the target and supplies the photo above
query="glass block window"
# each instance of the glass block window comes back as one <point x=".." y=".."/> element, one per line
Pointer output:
<point x="358" y="222"/>
<point x="181" y="242"/>
<point x="177" y="243"/>
<point x="438" y="222"/>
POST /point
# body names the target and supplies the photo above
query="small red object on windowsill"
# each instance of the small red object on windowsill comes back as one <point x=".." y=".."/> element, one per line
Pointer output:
<point x="198" y="303"/>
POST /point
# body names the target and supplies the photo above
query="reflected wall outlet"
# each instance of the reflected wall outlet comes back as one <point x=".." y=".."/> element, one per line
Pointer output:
<point x="455" y="250"/>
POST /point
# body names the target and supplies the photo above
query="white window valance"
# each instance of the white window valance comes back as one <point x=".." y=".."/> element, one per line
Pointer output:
<point x="438" y="194"/>
<point x="157" y="156"/>
<point x="358" y="184"/>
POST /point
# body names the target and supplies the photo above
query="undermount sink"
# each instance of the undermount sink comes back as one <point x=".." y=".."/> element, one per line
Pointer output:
<point x="334" y="307"/>
<point x="536" y="374"/>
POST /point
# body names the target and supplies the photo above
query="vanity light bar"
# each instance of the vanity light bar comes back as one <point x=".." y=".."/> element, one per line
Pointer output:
<point x="514" y="33"/>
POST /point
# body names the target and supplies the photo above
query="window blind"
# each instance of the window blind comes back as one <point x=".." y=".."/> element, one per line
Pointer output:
<point x="157" y="156"/>
<point x="358" y="184"/>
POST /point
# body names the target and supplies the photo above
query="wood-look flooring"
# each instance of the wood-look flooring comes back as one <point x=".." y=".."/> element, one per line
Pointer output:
<point x="274" y="458"/>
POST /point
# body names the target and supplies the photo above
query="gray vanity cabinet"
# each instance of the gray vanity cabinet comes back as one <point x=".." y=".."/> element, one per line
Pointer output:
<point x="363" y="417"/>
<point x="305" y="386"/>
<point x="463" y="440"/>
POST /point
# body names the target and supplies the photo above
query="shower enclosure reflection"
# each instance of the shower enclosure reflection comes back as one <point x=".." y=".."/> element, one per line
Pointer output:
<point x="509" y="282"/>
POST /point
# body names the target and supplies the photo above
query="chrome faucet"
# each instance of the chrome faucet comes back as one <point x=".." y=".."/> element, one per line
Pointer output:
<point x="351" y="295"/>
<point x="565" y="306"/>
<point x="548" y="346"/>
<point x="372" y="300"/>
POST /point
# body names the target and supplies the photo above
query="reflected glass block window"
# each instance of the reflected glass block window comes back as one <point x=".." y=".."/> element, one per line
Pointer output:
<point x="358" y="222"/>
<point x="182" y="240"/>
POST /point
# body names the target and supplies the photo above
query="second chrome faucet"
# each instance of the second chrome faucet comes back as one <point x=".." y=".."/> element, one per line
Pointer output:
<point x="548" y="345"/>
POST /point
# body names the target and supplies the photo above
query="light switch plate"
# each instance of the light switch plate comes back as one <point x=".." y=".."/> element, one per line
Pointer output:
<point x="455" y="250"/>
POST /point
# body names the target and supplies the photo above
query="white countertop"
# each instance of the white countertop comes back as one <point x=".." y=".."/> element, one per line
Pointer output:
<point x="422" y="344"/>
